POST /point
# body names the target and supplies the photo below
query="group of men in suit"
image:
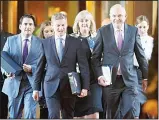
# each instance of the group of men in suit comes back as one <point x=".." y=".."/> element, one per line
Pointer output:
<point x="115" y="45"/>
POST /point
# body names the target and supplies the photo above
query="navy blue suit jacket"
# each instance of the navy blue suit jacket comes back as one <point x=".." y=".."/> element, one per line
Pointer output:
<point x="106" y="47"/>
<point x="56" y="71"/>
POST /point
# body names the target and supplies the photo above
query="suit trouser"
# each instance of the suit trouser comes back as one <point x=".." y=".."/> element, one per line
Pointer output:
<point x="3" y="100"/>
<point x="64" y="100"/>
<point x="4" y="106"/>
<point x="120" y="100"/>
<point x="105" y="94"/>
<point x="24" y="101"/>
<point x="141" y="96"/>
<point x="42" y="101"/>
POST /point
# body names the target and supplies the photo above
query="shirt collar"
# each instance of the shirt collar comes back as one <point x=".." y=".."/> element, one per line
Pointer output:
<point x="24" y="38"/>
<point x="63" y="37"/>
<point x="145" y="35"/>
<point x="122" y="28"/>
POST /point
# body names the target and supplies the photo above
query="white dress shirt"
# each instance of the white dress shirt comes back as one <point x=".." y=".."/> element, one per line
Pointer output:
<point x="116" y="31"/>
<point x="147" y="45"/>
<point x="28" y="42"/>
<point x="63" y="40"/>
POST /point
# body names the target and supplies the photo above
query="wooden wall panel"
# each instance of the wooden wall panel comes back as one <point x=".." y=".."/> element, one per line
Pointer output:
<point x="38" y="12"/>
<point x="144" y="8"/>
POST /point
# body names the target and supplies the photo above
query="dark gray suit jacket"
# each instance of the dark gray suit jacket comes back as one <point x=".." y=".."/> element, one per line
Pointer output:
<point x="106" y="46"/>
<point x="4" y="36"/>
<point x="13" y="46"/>
<point x="56" y="72"/>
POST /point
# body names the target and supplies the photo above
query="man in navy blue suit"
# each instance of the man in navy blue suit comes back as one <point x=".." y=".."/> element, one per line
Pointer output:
<point x="61" y="53"/>
<point x="116" y="43"/>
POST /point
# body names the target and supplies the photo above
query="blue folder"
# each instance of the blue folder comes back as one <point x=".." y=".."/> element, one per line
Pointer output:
<point x="9" y="65"/>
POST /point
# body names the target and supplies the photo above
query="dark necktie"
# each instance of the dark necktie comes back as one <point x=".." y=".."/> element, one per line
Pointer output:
<point x="60" y="48"/>
<point x="119" y="40"/>
<point x="25" y="50"/>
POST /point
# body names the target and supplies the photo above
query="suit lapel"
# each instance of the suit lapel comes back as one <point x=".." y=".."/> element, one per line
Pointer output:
<point x="111" y="33"/>
<point x="53" y="44"/>
<point x="32" y="48"/>
<point x="66" y="47"/>
<point x="19" y="50"/>
<point x="126" y="36"/>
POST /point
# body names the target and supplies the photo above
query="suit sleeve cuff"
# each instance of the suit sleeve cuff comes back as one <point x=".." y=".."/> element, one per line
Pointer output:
<point x="100" y="77"/>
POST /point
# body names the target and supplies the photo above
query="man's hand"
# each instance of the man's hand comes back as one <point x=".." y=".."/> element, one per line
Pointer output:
<point x="84" y="93"/>
<point x="144" y="85"/>
<point x="27" y="68"/>
<point x="35" y="95"/>
<point x="11" y="75"/>
<point x="102" y="81"/>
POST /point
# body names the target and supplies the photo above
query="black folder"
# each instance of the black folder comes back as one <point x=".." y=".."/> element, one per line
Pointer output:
<point x="9" y="65"/>
<point x="75" y="83"/>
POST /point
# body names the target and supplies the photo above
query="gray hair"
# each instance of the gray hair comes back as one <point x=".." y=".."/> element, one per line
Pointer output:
<point x="58" y="16"/>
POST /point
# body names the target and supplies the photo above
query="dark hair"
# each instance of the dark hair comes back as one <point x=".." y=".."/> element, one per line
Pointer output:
<point x="141" y="18"/>
<point x="27" y="16"/>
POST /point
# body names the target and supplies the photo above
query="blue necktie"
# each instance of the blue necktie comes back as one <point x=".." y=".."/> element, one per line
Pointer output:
<point x="60" y="48"/>
<point x="91" y="43"/>
<point x="25" y="50"/>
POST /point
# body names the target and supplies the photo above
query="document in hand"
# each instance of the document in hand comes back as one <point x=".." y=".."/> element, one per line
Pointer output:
<point x="75" y="82"/>
<point x="9" y="65"/>
<point x="107" y="73"/>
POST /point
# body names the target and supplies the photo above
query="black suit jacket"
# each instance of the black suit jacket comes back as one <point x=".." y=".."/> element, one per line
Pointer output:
<point x="86" y="48"/>
<point x="4" y="36"/>
<point x="56" y="72"/>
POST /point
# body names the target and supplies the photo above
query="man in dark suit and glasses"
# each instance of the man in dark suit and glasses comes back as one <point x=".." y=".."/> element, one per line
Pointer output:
<point x="3" y="97"/>
<point x="118" y="42"/>
<point x="61" y="53"/>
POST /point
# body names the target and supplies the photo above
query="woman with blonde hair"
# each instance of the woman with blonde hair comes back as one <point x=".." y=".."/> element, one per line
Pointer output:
<point x="85" y="28"/>
<point x="46" y="31"/>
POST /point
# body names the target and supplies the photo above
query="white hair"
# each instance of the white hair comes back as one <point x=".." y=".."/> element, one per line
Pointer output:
<point x="116" y="7"/>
